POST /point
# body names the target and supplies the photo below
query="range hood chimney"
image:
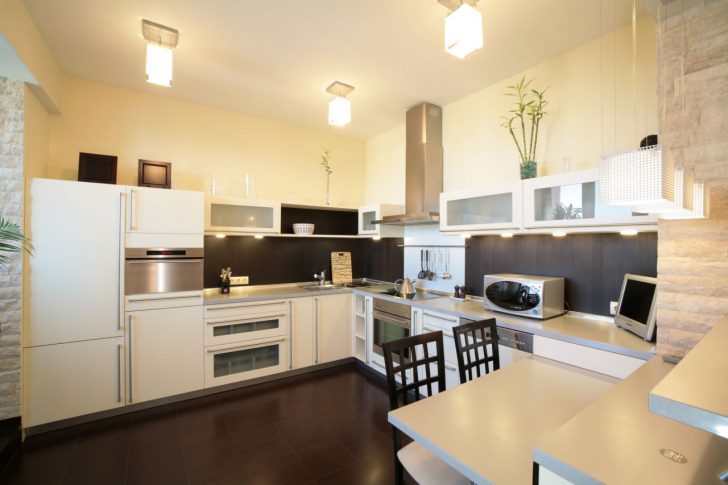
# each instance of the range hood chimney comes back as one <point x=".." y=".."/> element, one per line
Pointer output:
<point x="423" y="176"/>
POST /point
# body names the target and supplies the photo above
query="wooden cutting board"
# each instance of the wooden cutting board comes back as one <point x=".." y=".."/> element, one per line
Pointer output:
<point x="340" y="267"/>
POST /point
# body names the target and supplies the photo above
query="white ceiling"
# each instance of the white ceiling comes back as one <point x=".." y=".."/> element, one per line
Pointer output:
<point x="274" y="59"/>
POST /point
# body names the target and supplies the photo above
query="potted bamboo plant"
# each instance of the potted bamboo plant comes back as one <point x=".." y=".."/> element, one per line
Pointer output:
<point x="523" y="122"/>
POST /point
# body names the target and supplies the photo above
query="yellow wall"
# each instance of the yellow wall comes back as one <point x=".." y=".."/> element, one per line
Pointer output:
<point x="477" y="149"/>
<point x="284" y="159"/>
<point x="27" y="41"/>
<point x="36" y="136"/>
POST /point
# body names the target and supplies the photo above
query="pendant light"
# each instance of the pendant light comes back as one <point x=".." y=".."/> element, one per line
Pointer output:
<point x="339" y="106"/>
<point x="684" y="187"/>
<point x="644" y="176"/>
<point x="160" y="42"/>
<point x="463" y="28"/>
<point x="700" y="205"/>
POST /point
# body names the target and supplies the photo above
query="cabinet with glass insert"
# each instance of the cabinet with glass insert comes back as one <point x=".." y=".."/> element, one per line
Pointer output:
<point x="245" y="340"/>
<point x="496" y="207"/>
<point x="572" y="199"/>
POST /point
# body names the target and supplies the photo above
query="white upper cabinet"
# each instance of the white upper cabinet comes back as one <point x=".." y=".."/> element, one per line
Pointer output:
<point x="494" y="208"/>
<point x="243" y="216"/>
<point x="164" y="217"/>
<point x="572" y="199"/>
<point x="370" y="213"/>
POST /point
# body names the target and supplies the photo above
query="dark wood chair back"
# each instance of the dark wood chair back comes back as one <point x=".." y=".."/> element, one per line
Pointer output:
<point x="407" y="356"/>
<point x="471" y="344"/>
<point x="413" y="354"/>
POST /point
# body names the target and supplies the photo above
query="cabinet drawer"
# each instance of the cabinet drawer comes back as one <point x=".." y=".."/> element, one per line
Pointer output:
<point x="609" y="363"/>
<point x="439" y="320"/>
<point x="225" y="364"/>
<point x="245" y="309"/>
<point x="244" y="328"/>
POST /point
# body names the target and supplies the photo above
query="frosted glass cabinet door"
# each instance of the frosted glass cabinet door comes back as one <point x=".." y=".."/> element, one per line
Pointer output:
<point x="233" y="214"/>
<point x="499" y="207"/>
<point x="572" y="199"/>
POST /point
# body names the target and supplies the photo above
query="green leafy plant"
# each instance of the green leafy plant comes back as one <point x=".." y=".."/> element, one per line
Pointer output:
<point x="523" y="122"/>
<point x="12" y="240"/>
<point x="563" y="212"/>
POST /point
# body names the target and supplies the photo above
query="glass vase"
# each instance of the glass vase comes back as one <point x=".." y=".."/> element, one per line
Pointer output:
<point x="528" y="169"/>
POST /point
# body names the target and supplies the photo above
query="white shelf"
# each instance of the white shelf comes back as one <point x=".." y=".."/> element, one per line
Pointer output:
<point x="301" y="236"/>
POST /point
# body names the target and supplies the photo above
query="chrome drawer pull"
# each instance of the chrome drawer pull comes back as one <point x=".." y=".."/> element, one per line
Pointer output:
<point x="249" y="345"/>
<point x="257" y="318"/>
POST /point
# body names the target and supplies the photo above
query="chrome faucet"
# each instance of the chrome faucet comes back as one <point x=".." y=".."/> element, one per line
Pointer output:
<point x="321" y="278"/>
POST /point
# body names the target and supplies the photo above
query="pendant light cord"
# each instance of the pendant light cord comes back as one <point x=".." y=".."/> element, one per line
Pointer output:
<point x="601" y="73"/>
<point x="634" y="71"/>
<point x="614" y="25"/>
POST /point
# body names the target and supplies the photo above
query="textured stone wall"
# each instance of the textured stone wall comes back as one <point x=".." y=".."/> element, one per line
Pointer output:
<point x="693" y="89"/>
<point x="11" y="275"/>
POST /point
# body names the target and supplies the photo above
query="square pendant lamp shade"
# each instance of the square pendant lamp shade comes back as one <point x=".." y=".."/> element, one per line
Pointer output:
<point x="637" y="177"/>
<point x="339" y="111"/>
<point x="684" y="187"/>
<point x="159" y="65"/>
<point x="160" y="42"/>
<point x="463" y="31"/>
<point x="701" y="205"/>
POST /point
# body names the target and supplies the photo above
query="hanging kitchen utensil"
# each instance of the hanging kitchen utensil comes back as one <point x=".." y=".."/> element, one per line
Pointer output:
<point x="422" y="274"/>
<point x="430" y="272"/>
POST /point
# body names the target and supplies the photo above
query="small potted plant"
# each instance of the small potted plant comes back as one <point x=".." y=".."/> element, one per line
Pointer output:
<point x="523" y="122"/>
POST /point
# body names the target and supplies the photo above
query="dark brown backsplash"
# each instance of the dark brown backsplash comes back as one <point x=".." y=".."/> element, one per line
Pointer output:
<point x="593" y="264"/>
<point x="274" y="260"/>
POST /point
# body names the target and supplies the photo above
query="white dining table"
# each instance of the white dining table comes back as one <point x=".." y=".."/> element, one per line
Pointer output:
<point x="487" y="428"/>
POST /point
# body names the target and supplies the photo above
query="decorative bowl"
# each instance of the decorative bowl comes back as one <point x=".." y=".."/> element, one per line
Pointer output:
<point x="303" y="228"/>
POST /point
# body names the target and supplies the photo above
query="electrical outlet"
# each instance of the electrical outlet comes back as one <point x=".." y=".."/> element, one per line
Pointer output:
<point x="613" y="307"/>
<point x="239" y="280"/>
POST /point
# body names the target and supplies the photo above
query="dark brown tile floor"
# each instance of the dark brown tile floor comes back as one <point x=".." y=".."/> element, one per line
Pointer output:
<point x="327" y="427"/>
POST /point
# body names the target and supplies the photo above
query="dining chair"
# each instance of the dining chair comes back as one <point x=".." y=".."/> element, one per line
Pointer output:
<point x="415" y="366"/>
<point x="471" y="346"/>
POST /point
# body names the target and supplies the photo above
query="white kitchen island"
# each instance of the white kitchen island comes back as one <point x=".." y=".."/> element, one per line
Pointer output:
<point x="487" y="428"/>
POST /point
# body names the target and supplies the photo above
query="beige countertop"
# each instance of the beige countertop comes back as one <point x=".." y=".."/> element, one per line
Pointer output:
<point x="487" y="428"/>
<point x="212" y="296"/>
<point x="582" y="329"/>
<point x="618" y="440"/>
<point x="695" y="392"/>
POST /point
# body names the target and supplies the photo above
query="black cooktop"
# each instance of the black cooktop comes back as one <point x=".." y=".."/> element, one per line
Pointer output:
<point x="413" y="297"/>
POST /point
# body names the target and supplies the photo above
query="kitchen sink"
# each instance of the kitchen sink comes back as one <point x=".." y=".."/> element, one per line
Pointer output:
<point x="317" y="287"/>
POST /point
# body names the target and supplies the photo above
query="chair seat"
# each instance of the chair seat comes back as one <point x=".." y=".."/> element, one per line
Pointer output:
<point x="426" y="468"/>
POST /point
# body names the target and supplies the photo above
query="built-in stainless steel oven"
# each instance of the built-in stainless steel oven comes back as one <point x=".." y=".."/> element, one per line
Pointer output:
<point x="392" y="321"/>
<point x="163" y="270"/>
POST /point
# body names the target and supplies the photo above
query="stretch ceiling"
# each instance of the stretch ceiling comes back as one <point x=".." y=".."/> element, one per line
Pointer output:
<point x="274" y="59"/>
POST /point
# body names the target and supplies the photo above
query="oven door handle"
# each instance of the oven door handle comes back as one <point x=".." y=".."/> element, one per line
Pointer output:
<point x="247" y="345"/>
<point x="398" y="320"/>
<point x="156" y="261"/>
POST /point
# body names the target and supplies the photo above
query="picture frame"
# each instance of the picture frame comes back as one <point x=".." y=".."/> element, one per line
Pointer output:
<point x="155" y="174"/>
<point x="97" y="168"/>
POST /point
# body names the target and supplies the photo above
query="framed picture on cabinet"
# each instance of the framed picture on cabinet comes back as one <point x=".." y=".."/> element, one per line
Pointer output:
<point x="94" y="167"/>
<point x="155" y="174"/>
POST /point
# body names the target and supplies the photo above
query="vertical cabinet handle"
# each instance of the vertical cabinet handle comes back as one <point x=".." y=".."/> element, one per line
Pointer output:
<point x="316" y="330"/>
<point x="121" y="247"/>
<point x="132" y="226"/>
<point x="290" y="334"/>
<point x="118" y="373"/>
<point x="366" y="330"/>
<point x="130" y="319"/>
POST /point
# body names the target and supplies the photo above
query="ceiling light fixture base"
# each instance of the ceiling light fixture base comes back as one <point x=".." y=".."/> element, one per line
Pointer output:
<point x="160" y="34"/>
<point x="455" y="4"/>
<point x="339" y="89"/>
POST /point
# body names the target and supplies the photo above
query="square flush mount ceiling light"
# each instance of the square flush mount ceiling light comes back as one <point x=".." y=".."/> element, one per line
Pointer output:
<point x="339" y="107"/>
<point x="636" y="177"/>
<point x="160" y="42"/>
<point x="463" y="28"/>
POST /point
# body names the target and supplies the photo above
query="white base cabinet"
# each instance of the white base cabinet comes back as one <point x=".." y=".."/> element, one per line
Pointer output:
<point x="302" y="333"/>
<point x="72" y="379"/>
<point x="332" y="320"/>
<point x="165" y="352"/>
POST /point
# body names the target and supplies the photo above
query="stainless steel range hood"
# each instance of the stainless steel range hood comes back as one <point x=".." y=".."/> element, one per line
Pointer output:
<point x="423" y="177"/>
